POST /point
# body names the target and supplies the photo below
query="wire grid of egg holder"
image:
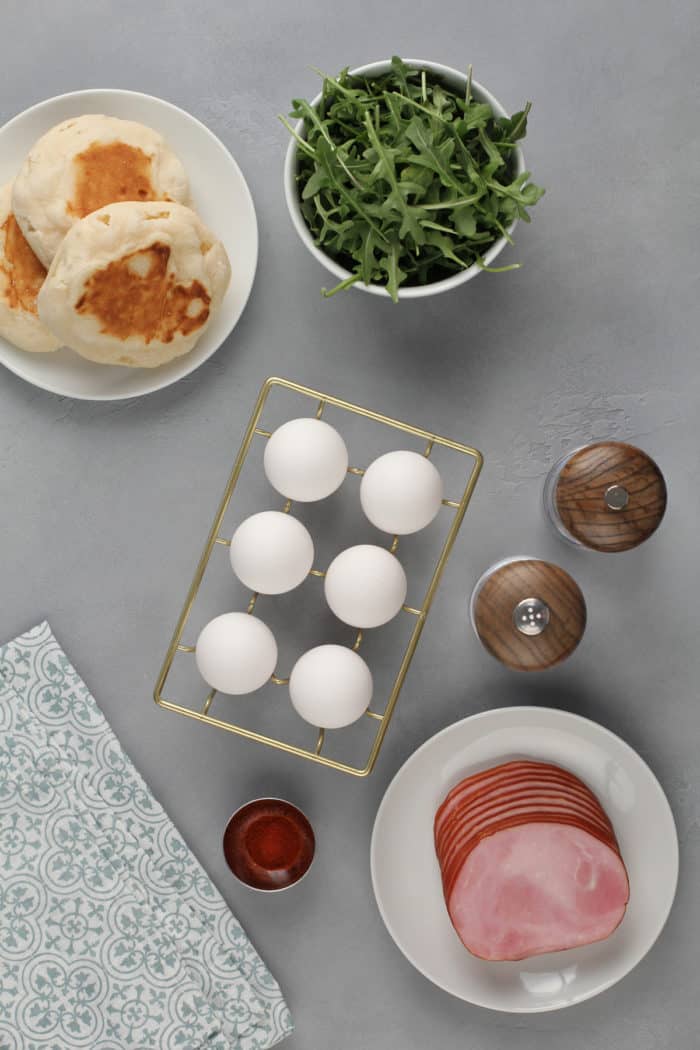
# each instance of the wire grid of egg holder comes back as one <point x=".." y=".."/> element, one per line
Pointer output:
<point x="382" y="718"/>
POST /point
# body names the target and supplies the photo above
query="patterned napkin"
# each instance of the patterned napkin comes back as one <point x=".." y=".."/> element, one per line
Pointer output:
<point x="112" y="936"/>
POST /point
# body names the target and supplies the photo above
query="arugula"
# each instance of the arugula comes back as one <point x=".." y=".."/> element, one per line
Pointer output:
<point x="402" y="181"/>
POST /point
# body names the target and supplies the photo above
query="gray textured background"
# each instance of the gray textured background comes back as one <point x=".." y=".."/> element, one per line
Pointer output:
<point x="104" y="507"/>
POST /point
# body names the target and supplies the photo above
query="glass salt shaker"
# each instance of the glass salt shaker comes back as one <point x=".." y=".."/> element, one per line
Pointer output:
<point x="607" y="496"/>
<point x="528" y="613"/>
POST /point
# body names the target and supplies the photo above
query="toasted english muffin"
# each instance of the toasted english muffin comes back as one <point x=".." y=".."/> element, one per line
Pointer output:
<point x="135" y="284"/>
<point x="84" y="163"/>
<point x="21" y="277"/>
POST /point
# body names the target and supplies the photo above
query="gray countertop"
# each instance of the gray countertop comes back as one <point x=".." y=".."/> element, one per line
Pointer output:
<point x="104" y="506"/>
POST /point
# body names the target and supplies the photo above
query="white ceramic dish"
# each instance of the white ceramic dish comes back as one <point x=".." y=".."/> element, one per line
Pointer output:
<point x="406" y="876"/>
<point x="219" y="193"/>
<point x="458" y="82"/>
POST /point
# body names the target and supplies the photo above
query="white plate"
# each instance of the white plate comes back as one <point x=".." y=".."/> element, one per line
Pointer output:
<point x="406" y="876"/>
<point x="220" y="195"/>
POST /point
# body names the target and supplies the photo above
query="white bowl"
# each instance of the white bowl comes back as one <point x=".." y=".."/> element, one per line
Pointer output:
<point x="219" y="194"/>
<point x="458" y="82"/>
<point x="406" y="874"/>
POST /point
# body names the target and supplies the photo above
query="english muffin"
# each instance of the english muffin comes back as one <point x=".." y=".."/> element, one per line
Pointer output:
<point x="135" y="284"/>
<point x="84" y="163"/>
<point x="21" y="277"/>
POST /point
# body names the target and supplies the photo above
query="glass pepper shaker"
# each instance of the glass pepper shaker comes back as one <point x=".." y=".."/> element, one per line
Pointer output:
<point x="528" y="613"/>
<point x="607" y="496"/>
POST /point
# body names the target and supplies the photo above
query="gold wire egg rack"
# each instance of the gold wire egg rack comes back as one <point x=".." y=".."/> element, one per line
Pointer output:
<point x="202" y="712"/>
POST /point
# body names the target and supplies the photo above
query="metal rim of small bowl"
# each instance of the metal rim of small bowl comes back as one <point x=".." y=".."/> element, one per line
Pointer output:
<point x="275" y="889"/>
<point x="451" y="77"/>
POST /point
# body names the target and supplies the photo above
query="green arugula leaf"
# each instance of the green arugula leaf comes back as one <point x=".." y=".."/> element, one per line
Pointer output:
<point x="464" y="220"/>
<point x="395" y="275"/>
<point x="404" y="182"/>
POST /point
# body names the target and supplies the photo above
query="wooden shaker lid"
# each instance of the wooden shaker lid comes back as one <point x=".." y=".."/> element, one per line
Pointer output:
<point x="529" y="614"/>
<point x="610" y="496"/>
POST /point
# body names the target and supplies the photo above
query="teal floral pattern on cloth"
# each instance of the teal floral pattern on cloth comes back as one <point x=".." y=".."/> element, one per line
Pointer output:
<point x="111" y="934"/>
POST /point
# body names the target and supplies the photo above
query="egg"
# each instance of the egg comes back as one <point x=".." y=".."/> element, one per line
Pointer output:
<point x="365" y="586"/>
<point x="306" y="460"/>
<point x="401" y="492"/>
<point x="236" y="653"/>
<point x="271" y="552"/>
<point x="330" y="686"/>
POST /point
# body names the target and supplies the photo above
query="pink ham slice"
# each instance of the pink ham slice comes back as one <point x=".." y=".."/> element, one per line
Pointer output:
<point x="510" y="773"/>
<point x="447" y="840"/>
<point x="535" y="888"/>
<point x="453" y="857"/>
<point x="535" y="793"/>
<point x="482" y="792"/>
<point x="504" y="801"/>
<point x="529" y="861"/>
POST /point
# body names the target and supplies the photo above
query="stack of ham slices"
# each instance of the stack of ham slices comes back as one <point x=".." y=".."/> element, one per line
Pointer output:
<point x="529" y="862"/>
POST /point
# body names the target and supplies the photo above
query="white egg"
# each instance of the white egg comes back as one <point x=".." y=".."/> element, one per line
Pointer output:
<point x="401" y="492"/>
<point x="236" y="653"/>
<point x="365" y="586"/>
<point x="271" y="552"/>
<point x="330" y="686"/>
<point x="306" y="460"/>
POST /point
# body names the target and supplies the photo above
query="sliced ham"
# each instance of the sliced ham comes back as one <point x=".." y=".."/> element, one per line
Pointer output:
<point x="451" y="870"/>
<point x="508" y="780"/>
<point x="505" y="805"/>
<point x="535" y="792"/>
<point x="536" y="795"/>
<point x="529" y="800"/>
<point x="508" y="773"/>
<point x="453" y="857"/>
<point x="496" y="772"/>
<point x="537" y="888"/>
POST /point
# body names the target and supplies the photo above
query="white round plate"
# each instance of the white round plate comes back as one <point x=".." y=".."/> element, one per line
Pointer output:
<point x="406" y="876"/>
<point x="220" y="195"/>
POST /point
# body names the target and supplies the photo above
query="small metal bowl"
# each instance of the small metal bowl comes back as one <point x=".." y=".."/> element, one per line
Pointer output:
<point x="269" y="844"/>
